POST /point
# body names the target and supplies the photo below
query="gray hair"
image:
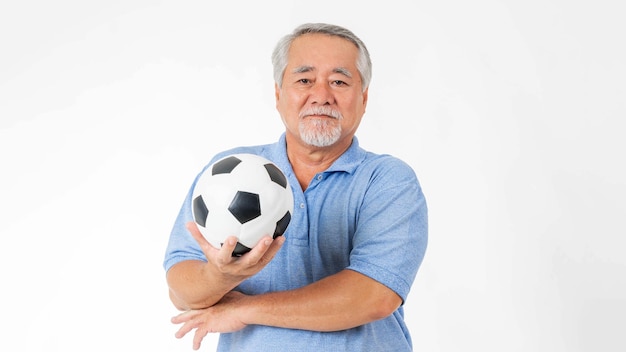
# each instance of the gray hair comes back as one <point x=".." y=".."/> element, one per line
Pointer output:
<point x="281" y="51"/>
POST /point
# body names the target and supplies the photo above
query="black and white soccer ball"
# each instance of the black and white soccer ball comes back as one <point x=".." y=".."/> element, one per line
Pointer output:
<point x="242" y="195"/>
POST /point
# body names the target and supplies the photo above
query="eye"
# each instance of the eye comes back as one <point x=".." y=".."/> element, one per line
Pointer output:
<point x="339" y="83"/>
<point x="304" y="81"/>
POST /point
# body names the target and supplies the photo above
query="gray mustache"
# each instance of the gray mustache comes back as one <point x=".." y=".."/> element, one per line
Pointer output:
<point x="321" y="110"/>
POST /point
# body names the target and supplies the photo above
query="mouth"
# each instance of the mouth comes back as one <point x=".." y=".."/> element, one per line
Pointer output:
<point x="320" y="113"/>
<point x="319" y="117"/>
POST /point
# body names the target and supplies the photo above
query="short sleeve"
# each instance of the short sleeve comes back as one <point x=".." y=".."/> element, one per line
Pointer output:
<point x="392" y="228"/>
<point x="182" y="246"/>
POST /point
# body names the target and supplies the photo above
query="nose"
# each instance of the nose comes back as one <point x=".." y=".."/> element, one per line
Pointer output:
<point x="322" y="94"/>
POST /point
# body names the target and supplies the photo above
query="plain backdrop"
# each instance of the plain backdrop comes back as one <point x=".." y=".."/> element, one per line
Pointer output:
<point x="510" y="112"/>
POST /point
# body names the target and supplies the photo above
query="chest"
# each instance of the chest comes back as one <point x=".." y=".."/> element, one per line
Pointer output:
<point x="320" y="236"/>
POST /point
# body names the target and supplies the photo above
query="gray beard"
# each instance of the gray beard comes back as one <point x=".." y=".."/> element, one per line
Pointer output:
<point x="320" y="132"/>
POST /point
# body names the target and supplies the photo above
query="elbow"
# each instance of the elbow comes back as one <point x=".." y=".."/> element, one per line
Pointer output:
<point x="177" y="302"/>
<point x="384" y="306"/>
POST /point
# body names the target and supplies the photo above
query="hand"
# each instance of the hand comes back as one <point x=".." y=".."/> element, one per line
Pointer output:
<point x="221" y="317"/>
<point x="238" y="268"/>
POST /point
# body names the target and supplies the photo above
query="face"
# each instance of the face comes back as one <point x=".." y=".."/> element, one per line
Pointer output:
<point x="321" y="100"/>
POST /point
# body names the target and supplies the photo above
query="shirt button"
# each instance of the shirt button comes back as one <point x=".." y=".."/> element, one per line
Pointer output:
<point x="319" y="177"/>
<point x="301" y="205"/>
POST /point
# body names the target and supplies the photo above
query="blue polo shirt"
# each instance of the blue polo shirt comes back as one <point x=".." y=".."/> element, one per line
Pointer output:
<point x="365" y="213"/>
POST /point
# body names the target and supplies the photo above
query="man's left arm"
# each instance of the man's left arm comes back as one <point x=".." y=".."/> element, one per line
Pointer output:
<point x="337" y="302"/>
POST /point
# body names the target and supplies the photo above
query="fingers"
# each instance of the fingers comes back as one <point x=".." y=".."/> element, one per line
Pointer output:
<point x="185" y="316"/>
<point x="246" y="265"/>
<point x="262" y="253"/>
<point x="190" y="323"/>
<point x="277" y="244"/>
<point x="197" y="338"/>
<point x="187" y="319"/>
<point x="225" y="255"/>
<point x="257" y="252"/>
<point x="183" y="331"/>
<point x="265" y="250"/>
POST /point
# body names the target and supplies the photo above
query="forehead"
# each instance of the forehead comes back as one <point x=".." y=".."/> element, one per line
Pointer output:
<point x="319" y="50"/>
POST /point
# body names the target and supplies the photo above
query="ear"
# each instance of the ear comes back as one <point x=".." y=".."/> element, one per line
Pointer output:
<point x="276" y="92"/>
<point x="365" y="95"/>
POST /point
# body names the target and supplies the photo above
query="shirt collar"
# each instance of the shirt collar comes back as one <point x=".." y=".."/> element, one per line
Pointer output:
<point x="347" y="162"/>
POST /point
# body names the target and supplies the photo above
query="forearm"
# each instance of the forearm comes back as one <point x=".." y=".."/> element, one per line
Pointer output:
<point x="191" y="287"/>
<point x="342" y="301"/>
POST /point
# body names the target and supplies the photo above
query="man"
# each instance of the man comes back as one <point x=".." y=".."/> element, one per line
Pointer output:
<point x="337" y="279"/>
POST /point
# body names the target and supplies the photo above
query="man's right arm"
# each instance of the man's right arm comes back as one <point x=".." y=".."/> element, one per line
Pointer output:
<point x="196" y="284"/>
<point x="191" y="287"/>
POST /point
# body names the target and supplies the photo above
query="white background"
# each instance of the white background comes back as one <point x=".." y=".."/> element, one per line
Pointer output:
<point x="509" y="112"/>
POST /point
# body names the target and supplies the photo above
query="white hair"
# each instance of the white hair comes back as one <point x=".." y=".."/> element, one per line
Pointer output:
<point x="281" y="51"/>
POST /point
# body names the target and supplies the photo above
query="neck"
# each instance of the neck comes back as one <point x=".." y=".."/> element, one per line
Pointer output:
<point x="307" y="161"/>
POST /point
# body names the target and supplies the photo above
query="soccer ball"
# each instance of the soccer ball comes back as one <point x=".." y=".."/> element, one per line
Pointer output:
<point x="242" y="195"/>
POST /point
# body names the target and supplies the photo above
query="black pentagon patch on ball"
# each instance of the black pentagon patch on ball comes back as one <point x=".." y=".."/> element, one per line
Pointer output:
<point x="225" y="166"/>
<point x="240" y="250"/>
<point x="281" y="225"/>
<point x="245" y="206"/>
<point x="276" y="175"/>
<point x="200" y="211"/>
